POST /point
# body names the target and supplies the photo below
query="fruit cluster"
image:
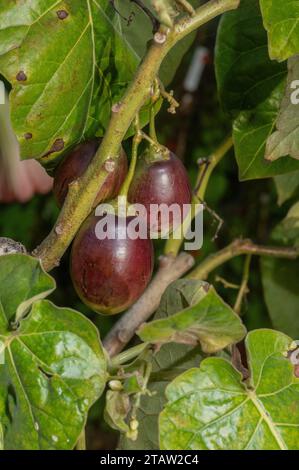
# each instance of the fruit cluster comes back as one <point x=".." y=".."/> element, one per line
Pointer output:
<point x="110" y="274"/>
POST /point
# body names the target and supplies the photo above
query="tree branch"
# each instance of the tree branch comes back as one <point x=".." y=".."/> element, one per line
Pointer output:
<point x="81" y="195"/>
<point x="237" y="248"/>
<point x="170" y="270"/>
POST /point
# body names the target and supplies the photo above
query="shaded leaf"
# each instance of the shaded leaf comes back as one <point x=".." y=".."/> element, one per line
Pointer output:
<point x="286" y="186"/>
<point x="116" y="410"/>
<point x="281" y="20"/>
<point x="280" y="277"/>
<point x="211" y="408"/>
<point x="54" y="365"/>
<point x="285" y="140"/>
<point x="251" y="130"/>
<point x="206" y="320"/>
<point x="245" y="74"/>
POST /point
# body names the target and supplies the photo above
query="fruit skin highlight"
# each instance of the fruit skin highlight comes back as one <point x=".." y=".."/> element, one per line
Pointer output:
<point x="160" y="179"/>
<point x="110" y="275"/>
<point x="76" y="163"/>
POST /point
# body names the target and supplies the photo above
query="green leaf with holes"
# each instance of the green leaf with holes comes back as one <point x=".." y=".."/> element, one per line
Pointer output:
<point x="211" y="408"/>
<point x="281" y="20"/>
<point x="199" y="316"/>
<point x="52" y="367"/>
<point x="67" y="63"/>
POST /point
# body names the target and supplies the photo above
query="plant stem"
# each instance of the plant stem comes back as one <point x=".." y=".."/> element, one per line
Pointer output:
<point x="244" y="285"/>
<point x="174" y="243"/>
<point x="237" y="248"/>
<point x="136" y="141"/>
<point x="82" y="193"/>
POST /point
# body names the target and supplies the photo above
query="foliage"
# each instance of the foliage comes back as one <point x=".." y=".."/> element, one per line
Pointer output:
<point x="193" y="379"/>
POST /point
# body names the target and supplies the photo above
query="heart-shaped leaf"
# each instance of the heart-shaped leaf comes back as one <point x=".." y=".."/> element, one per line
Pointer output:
<point x="53" y="368"/>
<point x="205" y="318"/>
<point x="281" y="20"/>
<point x="211" y="408"/>
<point x="67" y="64"/>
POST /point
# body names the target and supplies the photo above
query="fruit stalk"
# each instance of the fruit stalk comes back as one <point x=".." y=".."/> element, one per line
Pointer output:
<point x="82" y="194"/>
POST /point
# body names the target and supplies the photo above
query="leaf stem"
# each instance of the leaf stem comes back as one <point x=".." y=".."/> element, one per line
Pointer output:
<point x="244" y="285"/>
<point x="174" y="243"/>
<point x="81" y="195"/>
<point x="81" y="443"/>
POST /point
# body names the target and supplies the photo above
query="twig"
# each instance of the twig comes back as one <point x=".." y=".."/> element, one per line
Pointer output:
<point x="244" y="285"/>
<point x="237" y="248"/>
<point x="170" y="270"/>
<point x="81" y="195"/>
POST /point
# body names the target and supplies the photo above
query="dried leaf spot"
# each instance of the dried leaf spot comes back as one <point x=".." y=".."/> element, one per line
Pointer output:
<point x="62" y="14"/>
<point x="57" y="146"/>
<point x="28" y="136"/>
<point x="21" y="76"/>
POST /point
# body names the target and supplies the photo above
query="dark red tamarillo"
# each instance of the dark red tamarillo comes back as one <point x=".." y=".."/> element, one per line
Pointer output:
<point x="109" y="275"/>
<point x="76" y="163"/>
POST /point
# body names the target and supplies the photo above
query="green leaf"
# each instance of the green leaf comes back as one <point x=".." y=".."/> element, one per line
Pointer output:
<point x="281" y="20"/>
<point x="68" y="63"/>
<point x="22" y="282"/>
<point x="287" y="231"/>
<point x="116" y="410"/>
<point x="251" y="130"/>
<point x="286" y="186"/>
<point x="280" y="285"/>
<point x="54" y="365"/>
<point x="65" y="72"/>
<point x="170" y="361"/>
<point x="245" y="74"/>
<point x="285" y="140"/>
<point x="211" y="408"/>
<point x="280" y="277"/>
<point x="204" y="319"/>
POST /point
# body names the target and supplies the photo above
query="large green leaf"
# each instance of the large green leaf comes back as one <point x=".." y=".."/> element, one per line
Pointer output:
<point x="53" y="368"/>
<point x="67" y="64"/>
<point x="245" y="74"/>
<point x="202" y="317"/>
<point x="281" y="20"/>
<point x="212" y="408"/>
<point x="251" y="130"/>
<point x="285" y="140"/>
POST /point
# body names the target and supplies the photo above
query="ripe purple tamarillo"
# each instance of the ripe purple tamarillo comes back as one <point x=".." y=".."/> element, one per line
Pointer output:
<point x="110" y="274"/>
<point x="160" y="179"/>
<point x="76" y="163"/>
